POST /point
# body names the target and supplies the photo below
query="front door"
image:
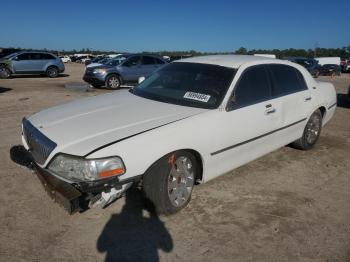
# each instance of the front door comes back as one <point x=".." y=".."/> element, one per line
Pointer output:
<point x="247" y="129"/>
<point x="132" y="69"/>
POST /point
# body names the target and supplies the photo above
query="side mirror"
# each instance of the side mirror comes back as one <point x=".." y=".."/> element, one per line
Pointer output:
<point x="141" y="79"/>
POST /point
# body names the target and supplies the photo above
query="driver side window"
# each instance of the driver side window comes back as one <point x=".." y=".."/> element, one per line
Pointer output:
<point x="253" y="87"/>
<point x="26" y="56"/>
<point x="133" y="61"/>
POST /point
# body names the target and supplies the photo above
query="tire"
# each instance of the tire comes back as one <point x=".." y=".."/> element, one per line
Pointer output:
<point x="311" y="132"/>
<point x="113" y="82"/>
<point x="5" y="73"/>
<point x="52" y="72"/>
<point x="166" y="186"/>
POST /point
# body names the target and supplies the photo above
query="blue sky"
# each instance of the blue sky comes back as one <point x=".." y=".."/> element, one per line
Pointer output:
<point x="133" y="26"/>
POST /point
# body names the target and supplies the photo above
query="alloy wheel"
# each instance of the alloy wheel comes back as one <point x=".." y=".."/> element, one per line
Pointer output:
<point x="180" y="181"/>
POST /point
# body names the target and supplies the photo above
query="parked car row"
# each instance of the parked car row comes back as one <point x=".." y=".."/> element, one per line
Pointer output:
<point x="319" y="66"/>
<point x="123" y="69"/>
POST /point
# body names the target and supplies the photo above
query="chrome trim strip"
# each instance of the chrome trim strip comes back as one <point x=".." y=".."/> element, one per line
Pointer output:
<point x="331" y="106"/>
<point x="255" y="138"/>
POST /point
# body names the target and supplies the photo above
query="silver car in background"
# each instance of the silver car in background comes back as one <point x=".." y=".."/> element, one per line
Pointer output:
<point x="30" y="62"/>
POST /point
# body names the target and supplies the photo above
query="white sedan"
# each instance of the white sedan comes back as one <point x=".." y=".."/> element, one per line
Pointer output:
<point x="189" y="122"/>
<point x="65" y="59"/>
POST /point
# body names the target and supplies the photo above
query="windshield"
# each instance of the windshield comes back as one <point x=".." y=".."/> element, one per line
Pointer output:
<point x="188" y="84"/>
<point x="10" y="55"/>
<point x="305" y="62"/>
<point x="116" y="61"/>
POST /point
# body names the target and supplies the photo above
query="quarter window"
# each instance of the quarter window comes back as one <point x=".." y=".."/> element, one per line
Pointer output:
<point x="286" y="80"/>
<point x="253" y="87"/>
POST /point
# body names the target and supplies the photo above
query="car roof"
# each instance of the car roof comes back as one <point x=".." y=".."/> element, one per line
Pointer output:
<point x="26" y="52"/>
<point x="233" y="61"/>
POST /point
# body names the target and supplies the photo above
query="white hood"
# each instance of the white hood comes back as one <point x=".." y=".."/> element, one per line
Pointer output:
<point x="86" y="124"/>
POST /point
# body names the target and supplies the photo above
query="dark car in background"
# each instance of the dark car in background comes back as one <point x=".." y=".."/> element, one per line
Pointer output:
<point x="330" y="70"/>
<point x="31" y="62"/>
<point x="123" y="69"/>
<point x="309" y="63"/>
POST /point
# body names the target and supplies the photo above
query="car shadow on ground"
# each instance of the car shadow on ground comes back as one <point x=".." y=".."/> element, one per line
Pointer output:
<point x="343" y="101"/>
<point x="37" y="76"/>
<point x="4" y="89"/>
<point x="136" y="233"/>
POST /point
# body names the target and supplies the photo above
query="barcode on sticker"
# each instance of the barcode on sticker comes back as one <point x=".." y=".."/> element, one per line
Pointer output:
<point x="197" y="96"/>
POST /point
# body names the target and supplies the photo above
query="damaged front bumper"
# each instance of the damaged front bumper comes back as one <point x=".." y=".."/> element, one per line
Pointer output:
<point x="74" y="196"/>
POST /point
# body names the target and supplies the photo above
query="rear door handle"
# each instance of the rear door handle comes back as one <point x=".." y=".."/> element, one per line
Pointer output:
<point x="307" y="98"/>
<point x="270" y="111"/>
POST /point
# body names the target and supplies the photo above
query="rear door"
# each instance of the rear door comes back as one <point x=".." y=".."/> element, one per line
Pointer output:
<point x="290" y="89"/>
<point x="45" y="61"/>
<point x="150" y="64"/>
<point x="36" y="62"/>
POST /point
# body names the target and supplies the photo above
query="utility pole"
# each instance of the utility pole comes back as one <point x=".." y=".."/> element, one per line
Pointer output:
<point x="316" y="46"/>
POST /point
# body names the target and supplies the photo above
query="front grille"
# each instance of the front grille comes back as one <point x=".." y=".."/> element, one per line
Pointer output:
<point x="39" y="145"/>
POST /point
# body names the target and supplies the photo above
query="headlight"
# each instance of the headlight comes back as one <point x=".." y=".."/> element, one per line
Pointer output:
<point x="99" y="71"/>
<point x="76" y="168"/>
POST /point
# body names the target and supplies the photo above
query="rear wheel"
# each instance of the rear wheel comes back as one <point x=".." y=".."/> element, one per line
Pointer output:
<point x="311" y="132"/>
<point x="169" y="182"/>
<point x="5" y="73"/>
<point x="113" y="82"/>
<point x="52" y="72"/>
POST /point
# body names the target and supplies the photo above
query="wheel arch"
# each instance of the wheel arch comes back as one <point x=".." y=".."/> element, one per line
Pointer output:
<point x="323" y="111"/>
<point x="50" y="66"/>
<point x="115" y="74"/>
<point x="195" y="153"/>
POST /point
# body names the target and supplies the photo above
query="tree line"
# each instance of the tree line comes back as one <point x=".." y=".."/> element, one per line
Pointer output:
<point x="343" y="53"/>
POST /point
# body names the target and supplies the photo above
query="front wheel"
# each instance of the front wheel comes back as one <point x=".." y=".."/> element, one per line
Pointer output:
<point x="311" y="132"/>
<point x="113" y="82"/>
<point x="5" y="73"/>
<point x="169" y="182"/>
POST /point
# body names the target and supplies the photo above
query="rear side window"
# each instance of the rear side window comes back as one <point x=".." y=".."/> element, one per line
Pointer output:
<point x="301" y="79"/>
<point x="47" y="56"/>
<point x="253" y="86"/>
<point x="286" y="80"/>
<point x="148" y="60"/>
<point x="35" y="56"/>
<point x="158" y="61"/>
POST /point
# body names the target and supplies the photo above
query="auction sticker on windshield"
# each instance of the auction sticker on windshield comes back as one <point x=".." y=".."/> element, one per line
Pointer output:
<point x="197" y="96"/>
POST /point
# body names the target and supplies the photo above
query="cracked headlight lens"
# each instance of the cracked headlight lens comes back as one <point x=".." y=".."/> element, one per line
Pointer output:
<point x="76" y="168"/>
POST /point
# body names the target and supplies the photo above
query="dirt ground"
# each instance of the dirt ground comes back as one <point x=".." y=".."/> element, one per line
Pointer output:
<point x="287" y="206"/>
